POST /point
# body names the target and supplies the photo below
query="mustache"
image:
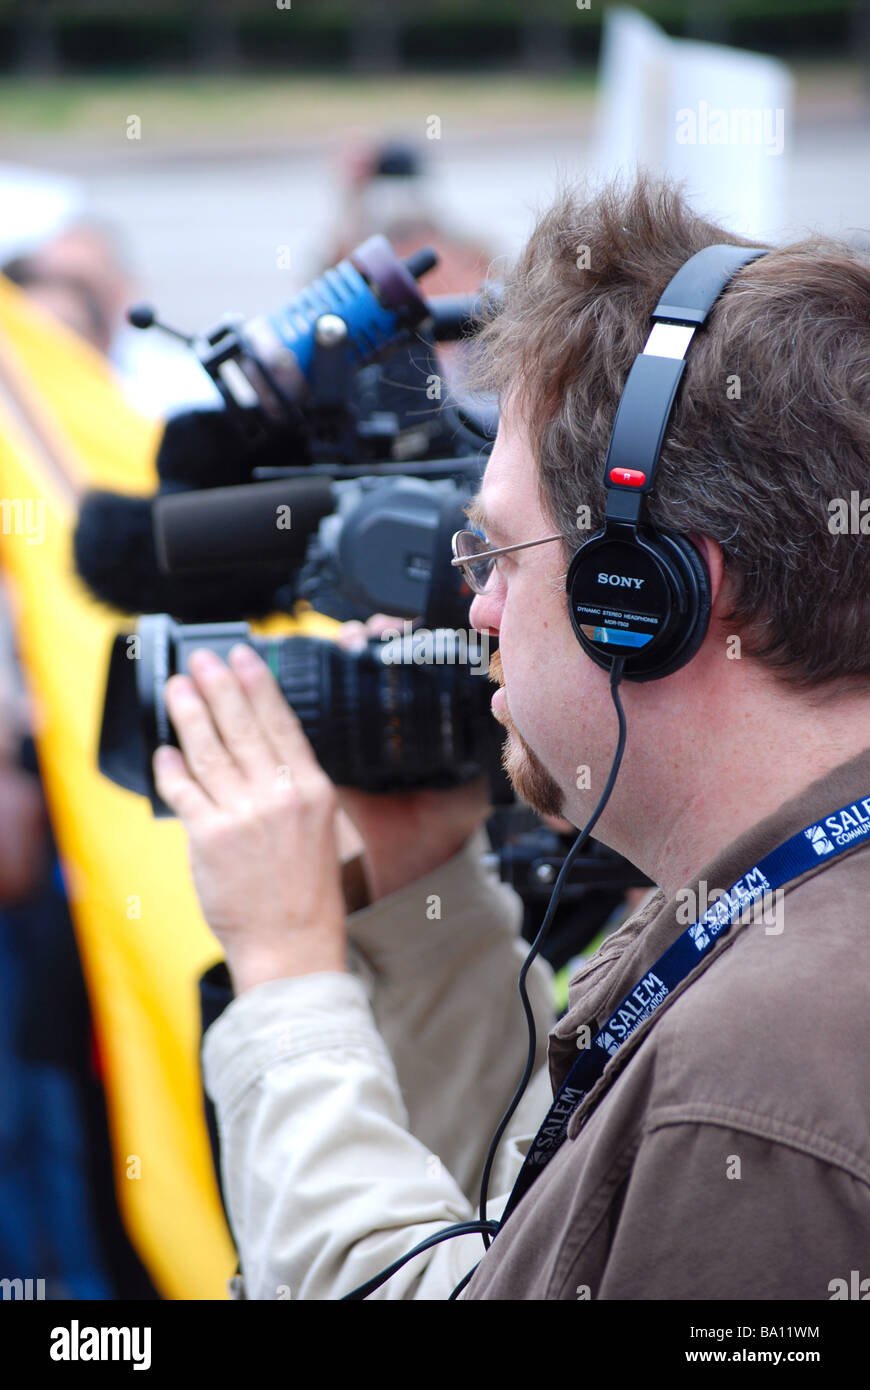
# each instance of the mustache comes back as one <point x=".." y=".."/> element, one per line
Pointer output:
<point x="495" y="671"/>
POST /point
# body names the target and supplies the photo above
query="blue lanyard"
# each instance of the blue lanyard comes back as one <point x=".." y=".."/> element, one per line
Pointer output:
<point x="823" y="840"/>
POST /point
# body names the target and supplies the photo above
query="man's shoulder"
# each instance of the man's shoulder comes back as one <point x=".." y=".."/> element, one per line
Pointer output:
<point x="774" y="1036"/>
<point x="804" y="953"/>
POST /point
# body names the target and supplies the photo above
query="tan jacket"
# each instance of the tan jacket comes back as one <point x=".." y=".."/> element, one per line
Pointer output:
<point x="355" y="1110"/>
<point x="725" y="1153"/>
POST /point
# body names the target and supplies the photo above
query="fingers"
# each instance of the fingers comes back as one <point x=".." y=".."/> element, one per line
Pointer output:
<point x="207" y="759"/>
<point x="232" y="715"/>
<point x="278" y="720"/>
<point x="175" y="785"/>
<point x="235" y="729"/>
<point x="354" y="635"/>
<point x="381" y="622"/>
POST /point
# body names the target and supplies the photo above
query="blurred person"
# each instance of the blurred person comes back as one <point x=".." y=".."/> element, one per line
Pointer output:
<point x="67" y="297"/>
<point x="384" y="188"/>
<point x="83" y="276"/>
<point x="91" y="252"/>
<point x="377" y="183"/>
<point x="357" y="1071"/>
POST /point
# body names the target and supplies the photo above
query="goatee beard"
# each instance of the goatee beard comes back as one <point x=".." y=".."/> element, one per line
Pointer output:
<point x="530" y="779"/>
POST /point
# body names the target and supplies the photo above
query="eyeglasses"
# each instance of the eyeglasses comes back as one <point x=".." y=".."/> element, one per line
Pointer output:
<point x="476" y="561"/>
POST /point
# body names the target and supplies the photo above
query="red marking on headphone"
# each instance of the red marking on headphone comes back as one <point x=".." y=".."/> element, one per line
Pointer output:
<point x="630" y="477"/>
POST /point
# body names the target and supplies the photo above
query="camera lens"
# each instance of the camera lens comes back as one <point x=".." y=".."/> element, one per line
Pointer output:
<point x="404" y="713"/>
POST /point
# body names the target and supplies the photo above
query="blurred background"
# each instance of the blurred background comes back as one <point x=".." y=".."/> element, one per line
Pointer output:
<point x="214" y="157"/>
<point x="220" y="138"/>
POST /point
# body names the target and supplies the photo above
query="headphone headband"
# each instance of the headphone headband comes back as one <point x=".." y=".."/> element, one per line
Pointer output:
<point x="651" y="387"/>
<point x="666" y="608"/>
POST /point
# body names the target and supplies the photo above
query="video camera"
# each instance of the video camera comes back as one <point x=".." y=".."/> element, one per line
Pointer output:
<point x="335" y="473"/>
<point x="324" y="402"/>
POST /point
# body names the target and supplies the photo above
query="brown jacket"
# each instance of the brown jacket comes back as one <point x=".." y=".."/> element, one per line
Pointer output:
<point x="725" y="1152"/>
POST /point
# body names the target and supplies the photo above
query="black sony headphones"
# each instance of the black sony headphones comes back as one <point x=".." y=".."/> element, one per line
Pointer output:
<point x="635" y="590"/>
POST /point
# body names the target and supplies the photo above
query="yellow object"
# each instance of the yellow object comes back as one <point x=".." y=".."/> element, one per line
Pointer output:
<point x="65" y="427"/>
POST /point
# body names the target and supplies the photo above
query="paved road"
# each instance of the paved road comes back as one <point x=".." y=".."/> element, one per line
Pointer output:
<point x="206" y="232"/>
<point x="238" y="227"/>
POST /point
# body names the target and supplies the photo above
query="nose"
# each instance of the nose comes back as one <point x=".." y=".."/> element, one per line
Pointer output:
<point x="483" y="613"/>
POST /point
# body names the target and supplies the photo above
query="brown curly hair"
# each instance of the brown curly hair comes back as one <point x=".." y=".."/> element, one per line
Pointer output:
<point x="771" y="423"/>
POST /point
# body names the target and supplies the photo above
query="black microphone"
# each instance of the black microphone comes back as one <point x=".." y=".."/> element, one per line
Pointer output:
<point x="239" y="526"/>
<point x="113" y="544"/>
<point x="115" y="555"/>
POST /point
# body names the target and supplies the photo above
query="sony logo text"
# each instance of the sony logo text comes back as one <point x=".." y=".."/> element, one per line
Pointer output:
<point x="623" y="581"/>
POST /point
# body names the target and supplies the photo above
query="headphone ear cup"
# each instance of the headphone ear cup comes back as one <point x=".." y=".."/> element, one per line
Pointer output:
<point x="678" y="584"/>
<point x="697" y="581"/>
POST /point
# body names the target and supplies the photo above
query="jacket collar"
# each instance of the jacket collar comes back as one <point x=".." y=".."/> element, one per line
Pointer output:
<point x="628" y="953"/>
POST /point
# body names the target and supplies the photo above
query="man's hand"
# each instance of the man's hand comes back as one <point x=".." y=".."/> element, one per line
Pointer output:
<point x="260" y="814"/>
<point x="409" y="834"/>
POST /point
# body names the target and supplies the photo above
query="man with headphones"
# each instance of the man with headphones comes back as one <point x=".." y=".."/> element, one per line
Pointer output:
<point x="691" y="680"/>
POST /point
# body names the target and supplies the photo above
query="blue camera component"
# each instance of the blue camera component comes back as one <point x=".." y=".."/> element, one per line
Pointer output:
<point x="344" y="291"/>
